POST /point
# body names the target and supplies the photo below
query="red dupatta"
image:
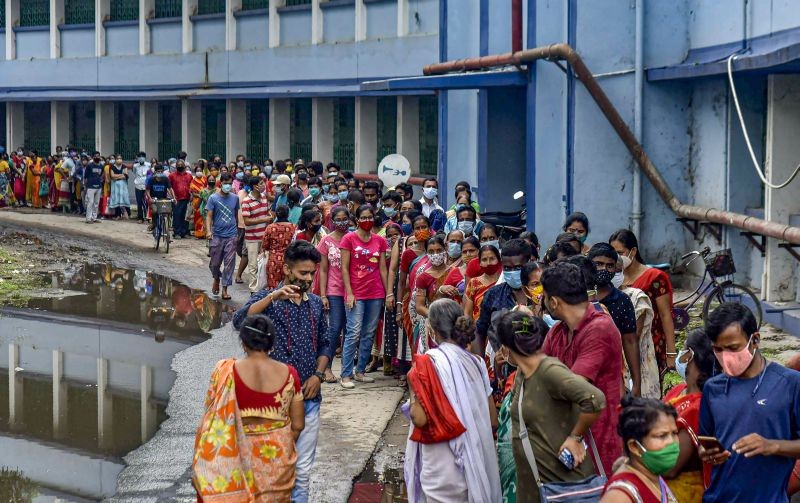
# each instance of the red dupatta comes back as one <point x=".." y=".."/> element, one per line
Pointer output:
<point x="443" y="423"/>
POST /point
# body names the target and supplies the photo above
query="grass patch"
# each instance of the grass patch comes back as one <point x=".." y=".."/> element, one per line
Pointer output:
<point x="17" y="279"/>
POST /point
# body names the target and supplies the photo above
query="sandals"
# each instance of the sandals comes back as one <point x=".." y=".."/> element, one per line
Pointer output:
<point x="215" y="287"/>
<point x="225" y="294"/>
<point x="329" y="377"/>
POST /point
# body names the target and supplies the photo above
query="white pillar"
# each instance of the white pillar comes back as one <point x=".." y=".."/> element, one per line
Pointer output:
<point x="105" y="130"/>
<point x="279" y="128"/>
<point x="274" y="24"/>
<point x="102" y="9"/>
<point x="366" y="133"/>
<point x="189" y="8"/>
<point x="191" y="128"/>
<point x="235" y="128"/>
<point x="408" y="130"/>
<point x="15" y="124"/>
<point x="231" y="6"/>
<point x="148" y="410"/>
<point x="12" y="19"/>
<point x="782" y="150"/>
<point x="322" y="129"/>
<point x="316" y="23"/>
<point x="361" y="20"/>
<point x="15" y="388"/>
<point x="146" y="11"/>
<point x="59" y="124"/>
<point x="104" y="405"/>
<point x="402" y="18"/>
<point x="56" y="17"/>
<point x="59" y="395"/>
<point x="148" y="128"/>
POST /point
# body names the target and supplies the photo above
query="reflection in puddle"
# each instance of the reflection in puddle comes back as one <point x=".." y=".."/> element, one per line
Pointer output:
<point x="83" y="379"/>
<point x="385" y="487"/>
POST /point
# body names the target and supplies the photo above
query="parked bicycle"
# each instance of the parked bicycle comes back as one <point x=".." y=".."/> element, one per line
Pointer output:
<point x="162" y="210"/>
<point x="716" y="290"/>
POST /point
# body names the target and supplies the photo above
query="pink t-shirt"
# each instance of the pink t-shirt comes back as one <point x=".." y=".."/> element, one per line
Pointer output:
<point x="365" y="273"/>
<point x="329" y="247"/>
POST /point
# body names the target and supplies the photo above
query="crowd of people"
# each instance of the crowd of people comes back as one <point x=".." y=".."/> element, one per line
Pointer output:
<point x="529" y="374"/>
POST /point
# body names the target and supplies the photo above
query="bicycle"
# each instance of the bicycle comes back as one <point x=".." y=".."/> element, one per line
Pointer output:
<point x="717" y="265"/>
<point x="162" y="209"/>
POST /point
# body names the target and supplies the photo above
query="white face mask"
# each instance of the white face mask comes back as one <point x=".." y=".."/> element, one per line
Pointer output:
<point x="626" y="261"/>
<point x="617" y="279"/>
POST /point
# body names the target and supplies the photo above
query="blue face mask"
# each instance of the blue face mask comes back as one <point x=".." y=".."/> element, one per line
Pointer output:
<point x="407" y="229"/>
<point x="331" y="197"/>
<point x="493" y="242"/>
<point x="268" y="171"/>
<point x="240" y="176"/>
<point x="513" y="279"/>
<point x="343" y="195"/>
<point x="226" y="188"/>
<point x="314" y="191"/>
<point x="454" y="249"/>
<point x="390" y="212"/>
<point x="325" y="187"/>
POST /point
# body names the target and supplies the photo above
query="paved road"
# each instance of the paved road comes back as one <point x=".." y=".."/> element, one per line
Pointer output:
<point x="352" y="421"/>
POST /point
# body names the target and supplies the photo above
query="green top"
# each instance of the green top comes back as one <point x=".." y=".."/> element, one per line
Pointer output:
<point x="474" y="204"/>
<point x="554" y="397"/>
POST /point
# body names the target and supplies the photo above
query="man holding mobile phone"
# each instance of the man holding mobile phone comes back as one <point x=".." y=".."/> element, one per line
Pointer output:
<point x="753" y="409"/>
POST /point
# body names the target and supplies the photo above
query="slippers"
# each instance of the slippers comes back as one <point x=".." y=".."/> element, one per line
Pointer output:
<point x="226" y="296"/>
<point x="239" y="281"/>
<point x="215" y="287"/>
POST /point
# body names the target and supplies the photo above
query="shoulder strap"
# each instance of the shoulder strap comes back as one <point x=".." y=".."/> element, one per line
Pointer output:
<point x="626" y="487"/>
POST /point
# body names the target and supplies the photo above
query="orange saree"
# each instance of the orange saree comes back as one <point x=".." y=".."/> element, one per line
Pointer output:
<point x="197" y="186"/>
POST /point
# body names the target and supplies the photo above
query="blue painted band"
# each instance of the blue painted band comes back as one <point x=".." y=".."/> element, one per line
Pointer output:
<point x="332" y="4"/>
<point x="207" y="17"/>
<point x="475" y="80"/>
<point x="379" y="1"/>
<point x="294" y="8"/>
<point x="164" y="20"/>
<point x="251" y="12"/>
<point x="82" y="26"/>
<point x="113" y="24"/>
<point x="20" y="29"/>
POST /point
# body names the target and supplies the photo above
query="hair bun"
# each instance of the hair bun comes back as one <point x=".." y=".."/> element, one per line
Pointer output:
<point x="464" y="324"/>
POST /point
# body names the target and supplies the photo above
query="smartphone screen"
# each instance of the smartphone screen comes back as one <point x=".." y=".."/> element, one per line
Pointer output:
<point x="710" y="443"/>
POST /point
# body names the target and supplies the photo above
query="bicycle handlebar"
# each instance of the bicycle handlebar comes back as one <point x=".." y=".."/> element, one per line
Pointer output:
<point x="703" y="253"/>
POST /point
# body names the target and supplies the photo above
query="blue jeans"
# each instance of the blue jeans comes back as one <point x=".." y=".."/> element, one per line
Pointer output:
<point x="362" y="322"/>
<point x="336" y="320"/>
<point x="306" y="447"/>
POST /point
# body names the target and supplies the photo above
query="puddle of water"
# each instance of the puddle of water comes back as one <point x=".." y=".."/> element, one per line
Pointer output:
<point x="385" y="487"/>
<point x="85" y="377"/>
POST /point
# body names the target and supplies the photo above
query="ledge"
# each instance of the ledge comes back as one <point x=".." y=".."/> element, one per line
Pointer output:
<point x="207" y="17"/>
<point x="81" y="26"/>
<point x="164" y="20"/>
<point x="251" y="13"/>
<point x="332" y="4"/>
<point x="378" y="1"/>
<point x="294" y="8"/>
<point x="113" y="24"/>
<point x="31" y="28"/>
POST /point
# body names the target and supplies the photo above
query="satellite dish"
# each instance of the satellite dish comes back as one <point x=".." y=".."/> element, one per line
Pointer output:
<point x="394" y="169"/>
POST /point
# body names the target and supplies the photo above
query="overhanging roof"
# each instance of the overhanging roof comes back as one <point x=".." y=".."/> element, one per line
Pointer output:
<point x="471" y="80"/>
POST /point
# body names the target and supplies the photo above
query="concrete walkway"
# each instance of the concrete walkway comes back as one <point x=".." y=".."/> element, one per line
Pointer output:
<point x="352" y="421"/>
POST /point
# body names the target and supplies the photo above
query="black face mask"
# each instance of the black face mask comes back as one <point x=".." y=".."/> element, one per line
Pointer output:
<point x="314" y="228"/>
<point x="302" y="284"/>
<point x="603" y="278"/>
<point x="180" y="168"/>
<point x="96" y="159"/>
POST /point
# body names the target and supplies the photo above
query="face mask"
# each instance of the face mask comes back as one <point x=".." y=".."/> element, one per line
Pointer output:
<point x="534" y="294"/>
<point x="734" y="363"/>
<point x="366" y="225"/>
<point x="226" y="187"/>
<point x="342" y="226"/>
<point x="240" y="163"/>
<point x="302" y="176"/>
<point x="279" y="189"/>
<point x="466" y="226"/>
<point x="617" y="279"/>
<point x="215" y="172"/>
<point x="513" y="279"/>
<point x="212" y="184"/>
<point x="407" y="230"/>
<point x="680" y="367"/>
<point x="430" y="192"/>
<point x="198" y="174"/>
<point x="491" y="269"/>
<point x="119" y="162"/>
<point x="268" y="171"/>
<point x="493" y="242"/>
<point x="454" y="250"/>
<point x="626" y="261"/>
<point x="603" y="278"/>
<point x="661" y="461"/>
<point x="96" y="159"/>
<point x="240" y="176"/>
<point x="582" y="239"/>
<point x="331" y="197"/>
<point x="332" y="173"/>
<point x="437" y="259"/>
<point x="422" y="235"/>
<point x="343" y="195"/>
<point x="314" y="228"/>
<point x="314" y="191"/>
<point x="389" y="212"/>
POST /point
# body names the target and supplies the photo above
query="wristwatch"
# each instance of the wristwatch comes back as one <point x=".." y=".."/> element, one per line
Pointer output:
<point x="321" y="376"/>
<point x="577" y="438"/>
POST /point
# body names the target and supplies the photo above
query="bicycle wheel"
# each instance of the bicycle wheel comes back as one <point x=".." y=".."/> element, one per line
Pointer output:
<point x="729" y="291"/>
<point x="157" y="230"/>
<point x="165" y="232"/>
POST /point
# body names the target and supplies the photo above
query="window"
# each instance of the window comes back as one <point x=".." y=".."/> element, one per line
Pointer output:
<point x="2" y="14"/>
<point x="127" y="137"/>
<point x="168" y="8"/>
<point x="37" y="127"/>
<point x="82" y="125"/>
<point x="257" y="130"/>
<point x="386" y="126"/>
<point x="78" y="11"/>
<point x="124" y="10"/>
<point x="255" y="4"/>
<point x="300" y="129"/>
<point x="210" y="6"/>
<point x="213" y="128"/>
<point x="428" y="135"/>
<point x="169" y="129"/>
<point x="34" y="13"/>
<point x="298" y="2"/>
<point x="344" y="132"/>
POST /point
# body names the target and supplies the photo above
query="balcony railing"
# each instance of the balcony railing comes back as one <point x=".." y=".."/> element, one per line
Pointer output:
<point x="124" y="10"/>
<point x="34" y="13"/>
<point x="255" y="4"/>
<point x="210" y="6"/>
<point x="344" y="155"/>
<point x="168" y="8"/>
<point x="298" y="2"/>
<point x="78" y="11"/>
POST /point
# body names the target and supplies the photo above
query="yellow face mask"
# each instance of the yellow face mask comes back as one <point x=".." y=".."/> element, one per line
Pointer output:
<point x="534" y="294"/>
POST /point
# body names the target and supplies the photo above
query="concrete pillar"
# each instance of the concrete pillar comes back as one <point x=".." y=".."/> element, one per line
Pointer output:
<point x="274" y="24"/>
<point x="316" y="23"/>
<point x="366" y="136"/>
<point x="322" y="129"/>
<point x="15" y="388"/>
<point x="105" y="129"/>
<point x="105" y="408"/>
<point x="15" y="124"/>
<point x="402" y="18"/>
<point x="408" y="130"/>
<point x="189" y="8"/>
<point x="148" y="128"/>
<point x="56" y="18"/>
<point x="59" y="396"/>
<point x="146" y="11"/>
<point x="148" y="409"/>
<point x="279" y="128"/>
<point x="231" y="6"/>
<point x="782" y="151"/>
<point x="12" y="19"/>
<point x="361" y="21"/>
<point x="59" y="124"/>
<point x="191" y="128"/>
<point x="102" y="9"/>
<point x="235" y="128"/>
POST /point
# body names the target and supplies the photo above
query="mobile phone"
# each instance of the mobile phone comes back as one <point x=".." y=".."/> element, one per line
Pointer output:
<point x="567" y="459"/>
<point x="710" y="443"/>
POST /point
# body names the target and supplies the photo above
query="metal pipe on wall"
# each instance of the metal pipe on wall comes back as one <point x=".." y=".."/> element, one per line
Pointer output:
<point x="638" y="78"/>
<point x="558" y="52"/>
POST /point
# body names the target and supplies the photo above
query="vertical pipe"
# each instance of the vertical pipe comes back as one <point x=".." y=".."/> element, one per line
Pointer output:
<point x="516" y="25"/>
<point x="636" y="210"/>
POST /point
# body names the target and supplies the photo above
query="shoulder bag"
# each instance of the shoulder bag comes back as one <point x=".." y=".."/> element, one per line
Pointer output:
<point x="588" y="490"/>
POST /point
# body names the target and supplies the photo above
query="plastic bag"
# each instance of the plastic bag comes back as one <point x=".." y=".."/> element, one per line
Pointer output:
<point x="261" y="273"/>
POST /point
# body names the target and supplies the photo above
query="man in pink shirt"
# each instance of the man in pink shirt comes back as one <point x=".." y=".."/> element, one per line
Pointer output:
<point x="587" y="341"/>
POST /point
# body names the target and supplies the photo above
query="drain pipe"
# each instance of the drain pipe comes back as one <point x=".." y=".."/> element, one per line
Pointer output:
<point x="563" y="52"/>
<point x="638" y="78"/>
<point x="516" y="25"/>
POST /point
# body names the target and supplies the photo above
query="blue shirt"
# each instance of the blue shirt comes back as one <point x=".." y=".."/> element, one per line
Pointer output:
<point x="159" y="186"/>
<point x="301" y="331"/>
<point x="732" y="408"/>
<point x="226" y="209"/>
<point x="93" y="176"/>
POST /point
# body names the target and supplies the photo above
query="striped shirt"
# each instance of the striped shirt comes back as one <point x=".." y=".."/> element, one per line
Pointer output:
<point x="253" y="208"/>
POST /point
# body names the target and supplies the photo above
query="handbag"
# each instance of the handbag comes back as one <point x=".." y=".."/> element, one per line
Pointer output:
<point x="588" y="490"/>
<point x="44" y="187"/>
